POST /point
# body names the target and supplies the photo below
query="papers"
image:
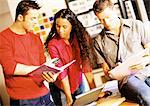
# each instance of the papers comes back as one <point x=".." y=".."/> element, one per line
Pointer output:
<point x="112" y="101"/>
<point x="60" y="69"/>
<point x="111" y="86"/>
<point x="124" y="68"/>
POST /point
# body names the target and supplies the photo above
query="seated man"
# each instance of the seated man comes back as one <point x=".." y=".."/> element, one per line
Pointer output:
<point x="120" y="39"/>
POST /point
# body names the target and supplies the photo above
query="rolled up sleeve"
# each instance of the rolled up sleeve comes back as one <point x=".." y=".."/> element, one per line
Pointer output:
<point x="55" y="54"/>
<point x="146" y="34"/>
<point x="86" y="66"/>
<point x="42" y="56"/>
<point x="6" y="55"/>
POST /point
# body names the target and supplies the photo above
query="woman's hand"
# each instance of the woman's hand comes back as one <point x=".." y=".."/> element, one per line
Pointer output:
<point x="50" y="77"/>
<point x="67" y="91"/>
<point x="69" y="101"/>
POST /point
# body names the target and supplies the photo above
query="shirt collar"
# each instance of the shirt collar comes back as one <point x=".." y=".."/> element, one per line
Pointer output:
<point x="126" y="23"/>
<point x="109" y="33"/>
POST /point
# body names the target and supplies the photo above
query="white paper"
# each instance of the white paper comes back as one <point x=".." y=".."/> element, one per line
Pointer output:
<point x="61" y="69"/>
<point x="124" y="68"/>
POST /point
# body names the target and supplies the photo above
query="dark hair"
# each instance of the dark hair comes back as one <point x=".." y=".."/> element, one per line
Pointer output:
<point x="100" y="5"/>
<point x="77" y="30"/>
<point x="24" y="6"/>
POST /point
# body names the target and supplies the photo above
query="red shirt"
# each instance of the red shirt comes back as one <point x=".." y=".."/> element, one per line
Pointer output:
<point x="25" y="49"/>
<point x="66" y="53"/>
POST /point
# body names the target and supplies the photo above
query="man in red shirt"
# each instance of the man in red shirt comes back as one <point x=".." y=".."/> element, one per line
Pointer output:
<point x="21" y="52"/>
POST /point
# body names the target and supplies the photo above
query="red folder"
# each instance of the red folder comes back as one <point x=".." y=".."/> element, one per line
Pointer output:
<point x="36" y="75"/>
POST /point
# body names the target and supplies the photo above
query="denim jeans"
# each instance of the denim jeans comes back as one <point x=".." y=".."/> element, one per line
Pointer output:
<point x="56" y="95"/>
<point x="137" y="90"/>
<point x="80" y="90"/>
<point x="41" y="101"/>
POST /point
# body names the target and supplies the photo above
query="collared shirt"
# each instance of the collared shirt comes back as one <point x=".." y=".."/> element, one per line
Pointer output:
<point x="132" y="39"/>
<point x="66" y="53"/>
<point x="108" y="44"/>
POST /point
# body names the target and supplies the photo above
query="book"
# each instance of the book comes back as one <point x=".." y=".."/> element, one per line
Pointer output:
<point x="36" y="75"/>
<point x="125" y="68"/>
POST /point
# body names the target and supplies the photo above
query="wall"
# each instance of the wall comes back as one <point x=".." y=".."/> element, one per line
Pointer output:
<point x="5" y="16"/>
<point x="48" y="7"/>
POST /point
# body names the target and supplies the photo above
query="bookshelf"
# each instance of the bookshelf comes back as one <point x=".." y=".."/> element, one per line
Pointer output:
<point x="85" y="14"/>
<point x="147" y="7"/>
<point x="141" y="10"/>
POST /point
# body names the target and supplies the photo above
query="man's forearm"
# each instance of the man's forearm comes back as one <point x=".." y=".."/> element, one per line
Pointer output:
<point x="22" y="69"/>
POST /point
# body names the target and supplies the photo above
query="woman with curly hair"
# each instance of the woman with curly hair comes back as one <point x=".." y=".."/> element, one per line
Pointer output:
<point x="68" y="40"/>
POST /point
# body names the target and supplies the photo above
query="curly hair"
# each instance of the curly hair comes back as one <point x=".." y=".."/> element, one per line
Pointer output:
<point x="77" y="30"/>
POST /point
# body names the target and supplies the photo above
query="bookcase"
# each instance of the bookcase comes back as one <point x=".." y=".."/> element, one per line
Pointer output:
<point x="147" y="7"/>
<point x="141" y="10"/>
<point x="5" y="16"/>
<point x="85" y="14"/>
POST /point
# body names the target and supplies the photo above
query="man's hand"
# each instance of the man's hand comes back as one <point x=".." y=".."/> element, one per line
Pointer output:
<point x="106" y="68"/>
<point x="145" y="60"/>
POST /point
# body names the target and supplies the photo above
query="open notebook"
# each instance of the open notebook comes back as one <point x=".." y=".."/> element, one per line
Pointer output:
<point x="36" y="75"/>
<point x="124" y="68"/>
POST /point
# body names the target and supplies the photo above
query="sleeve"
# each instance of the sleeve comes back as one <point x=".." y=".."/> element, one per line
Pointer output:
<point x="6" y="55"/>
<point x="99" y="58"/>
<point x="86" y="66"/>
<point x="54" y="53"/>
<point x="145" y="32"/>
<point x="42" y="56"/>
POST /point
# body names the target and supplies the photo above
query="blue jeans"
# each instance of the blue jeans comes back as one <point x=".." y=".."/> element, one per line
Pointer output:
<point x="56" y="95"/>
<point x="41" y="101"/>
<point x="80" y="90"/>
<point x="137" y="90"/>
